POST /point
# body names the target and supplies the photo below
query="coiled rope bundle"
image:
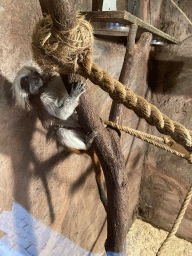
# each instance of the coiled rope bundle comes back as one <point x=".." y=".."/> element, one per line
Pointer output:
<point x="61" y="51"/>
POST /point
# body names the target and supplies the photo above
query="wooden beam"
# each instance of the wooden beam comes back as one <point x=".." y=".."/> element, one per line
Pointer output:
<point x="126" y="18"/>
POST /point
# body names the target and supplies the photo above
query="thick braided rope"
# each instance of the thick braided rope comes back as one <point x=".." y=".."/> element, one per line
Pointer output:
<point x="177" y="222"/>
<point x="51" y="51"/>
<point x="150" y="139"/>
<point x="139" y="105"/>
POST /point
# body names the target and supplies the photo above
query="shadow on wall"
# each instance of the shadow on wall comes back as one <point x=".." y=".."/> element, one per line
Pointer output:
<point x="16" y="142"/>
<point x="163" y="75"/>
<point x="6" y="92"/>
<point x="18" y="146"/>
<point x="76" y="185"/>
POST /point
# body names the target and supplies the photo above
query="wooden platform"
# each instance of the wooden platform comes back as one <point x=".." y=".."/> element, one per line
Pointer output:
<point x="126" y="19"/>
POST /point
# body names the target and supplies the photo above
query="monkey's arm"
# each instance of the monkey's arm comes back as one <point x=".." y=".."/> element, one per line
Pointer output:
<point x="64" y="107"/>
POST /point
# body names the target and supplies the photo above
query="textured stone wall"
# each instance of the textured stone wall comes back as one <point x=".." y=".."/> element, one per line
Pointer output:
<point x="166" y="178"/>
<point x="59" y="189"/>
<point x="56" y="188"/>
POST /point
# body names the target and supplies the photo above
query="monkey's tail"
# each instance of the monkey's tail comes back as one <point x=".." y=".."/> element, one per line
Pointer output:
<point x="98" y="177"/>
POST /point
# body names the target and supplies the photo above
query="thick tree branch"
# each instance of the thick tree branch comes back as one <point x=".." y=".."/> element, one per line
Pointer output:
<point x="106" y="143"/>
<point x="126" y="75"/>
<point x="62" y="13"/>
<point x="112" y="162"/>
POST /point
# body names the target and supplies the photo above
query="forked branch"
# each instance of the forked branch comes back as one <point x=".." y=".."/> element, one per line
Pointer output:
<point x="107" y="142"/>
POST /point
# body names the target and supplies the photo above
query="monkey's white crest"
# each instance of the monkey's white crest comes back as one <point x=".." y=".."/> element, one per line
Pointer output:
<point x="21" y="96"/>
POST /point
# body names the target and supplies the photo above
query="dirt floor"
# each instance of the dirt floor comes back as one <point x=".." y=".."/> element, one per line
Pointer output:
<point x="144" y="240"/>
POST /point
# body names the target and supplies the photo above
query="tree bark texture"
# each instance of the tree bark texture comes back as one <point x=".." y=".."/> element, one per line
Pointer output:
<point x="107" y="142"/>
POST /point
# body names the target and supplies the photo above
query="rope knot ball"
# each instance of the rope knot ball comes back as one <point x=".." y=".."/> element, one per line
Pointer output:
<point x="62" y="51"/>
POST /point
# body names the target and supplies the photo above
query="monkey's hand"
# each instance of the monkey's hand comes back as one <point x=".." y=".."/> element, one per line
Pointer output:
<point x="77" y="89"/>
<point x="64" y="107"/>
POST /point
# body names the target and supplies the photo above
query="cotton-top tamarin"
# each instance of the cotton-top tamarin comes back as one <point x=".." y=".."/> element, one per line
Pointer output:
<point x="53" y="105"/>
<point x="55" y="108"/>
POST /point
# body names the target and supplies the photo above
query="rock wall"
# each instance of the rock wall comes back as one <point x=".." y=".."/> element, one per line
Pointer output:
<point x="57" y="188"/>
<point x="166" y="177"/>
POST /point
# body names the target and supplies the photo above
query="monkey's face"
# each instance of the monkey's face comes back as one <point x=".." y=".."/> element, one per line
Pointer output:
<point x="32" y="83"/>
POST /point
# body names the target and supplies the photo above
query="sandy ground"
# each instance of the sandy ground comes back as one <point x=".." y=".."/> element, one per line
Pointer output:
<point x="144" y="240"/>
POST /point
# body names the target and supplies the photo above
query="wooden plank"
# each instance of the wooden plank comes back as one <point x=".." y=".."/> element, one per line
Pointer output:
<point x="124" y="17"/>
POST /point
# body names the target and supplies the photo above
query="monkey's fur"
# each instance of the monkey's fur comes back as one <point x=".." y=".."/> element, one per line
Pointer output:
<point x="55" y="108"/>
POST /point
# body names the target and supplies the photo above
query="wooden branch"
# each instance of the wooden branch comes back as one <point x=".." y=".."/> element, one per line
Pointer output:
<point x="112" y="162"/>
<point x="106" y="144"/>
<point x="131" y="59"/>
<point x="44" y="7"/>
<point x="126" y="74"/>
<point x="62" y="13"/>
<point x="107" y="147"/>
